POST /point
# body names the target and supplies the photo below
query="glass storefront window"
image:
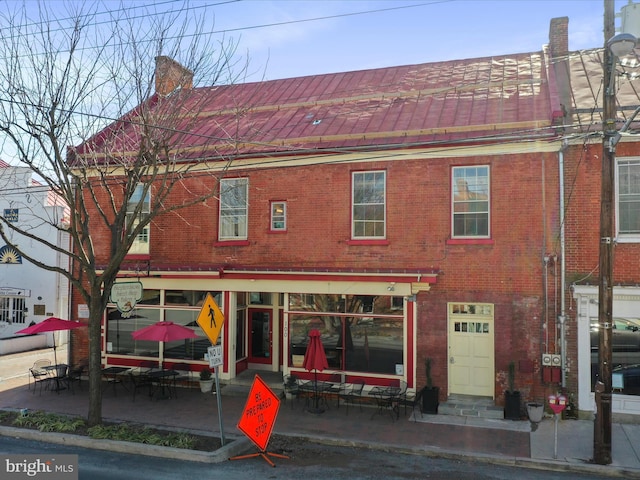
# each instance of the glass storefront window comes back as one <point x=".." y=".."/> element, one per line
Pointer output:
<point x="366" y="337"/>
<point x="260" y="298"/>
<point x="191" y="298"/>
<point x="179" y="306"/>
<point x="191" y="348"/>
<point x="119" y="339"/>
<point x="382" y="305"/>
<point x="625" y="355"/>
<point x="150" y="297"/>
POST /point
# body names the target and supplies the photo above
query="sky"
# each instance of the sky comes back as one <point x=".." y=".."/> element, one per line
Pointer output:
<point x="290" y="38"/>
<point x="362" y="34"/>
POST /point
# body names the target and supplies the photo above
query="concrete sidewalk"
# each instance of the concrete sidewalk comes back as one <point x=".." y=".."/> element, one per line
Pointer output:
<point x="497" y="441"/>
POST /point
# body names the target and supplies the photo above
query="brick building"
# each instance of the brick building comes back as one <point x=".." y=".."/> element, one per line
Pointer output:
<point x="407" y="213"/>
<point x="580" y="77"/>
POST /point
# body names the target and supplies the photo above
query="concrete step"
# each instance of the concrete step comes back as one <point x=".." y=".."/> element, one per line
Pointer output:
<point x="471" y="406"/>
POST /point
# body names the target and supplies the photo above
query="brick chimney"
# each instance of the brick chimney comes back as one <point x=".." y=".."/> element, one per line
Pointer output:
<point x="170" y="76"/>
<point x="559" y="75"/>
<point x="559" y="37"/>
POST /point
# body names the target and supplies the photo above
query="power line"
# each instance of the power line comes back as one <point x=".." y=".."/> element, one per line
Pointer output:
<point x="129" y="8"/>
<point x="223" y="31"/>
<point x="329" y="156"/>
<point x="503" y="137"/>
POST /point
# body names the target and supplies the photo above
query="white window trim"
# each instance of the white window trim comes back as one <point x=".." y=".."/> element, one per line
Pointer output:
<point x="622" y="237"/>
<point x="489" y="200"/>
<point x="353" y="222"/>
<point x="272" y="226"/>
<point x="139" y="246"/>
<point x="244" y="236"/>
<point x="626" y="301"/>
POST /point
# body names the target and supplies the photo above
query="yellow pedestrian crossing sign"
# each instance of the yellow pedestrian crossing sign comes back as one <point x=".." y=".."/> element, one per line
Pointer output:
<point x="211" y="319"/>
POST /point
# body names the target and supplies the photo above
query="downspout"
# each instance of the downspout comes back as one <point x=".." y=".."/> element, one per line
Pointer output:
<point x="562" y="317"/>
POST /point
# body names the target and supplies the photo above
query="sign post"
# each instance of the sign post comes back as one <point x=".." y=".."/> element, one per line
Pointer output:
<point x="258" y="418"/>
<point x="557" y="403"/>
<point x="215" y="360"/>
<point x="211" y="320"/>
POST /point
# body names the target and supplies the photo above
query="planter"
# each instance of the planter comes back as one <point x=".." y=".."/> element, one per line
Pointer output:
<point x="430" y="400"/>
<point x="570" y="413"/>
<point x="512" y="405"/>
<point x="535" y="412"/>
<point x="206" y="385"/>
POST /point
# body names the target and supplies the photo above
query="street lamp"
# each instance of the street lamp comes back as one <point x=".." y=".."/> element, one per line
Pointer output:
<point x="616" y="47"/>
<point x="622" y="44"/>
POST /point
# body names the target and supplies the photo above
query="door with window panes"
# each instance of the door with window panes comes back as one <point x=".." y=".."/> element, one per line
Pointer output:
<point x="471" y="349"/>
<point x="260" y="341"/>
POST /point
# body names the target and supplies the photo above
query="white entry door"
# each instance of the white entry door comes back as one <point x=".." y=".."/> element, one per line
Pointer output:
<point x="471" y="349"/>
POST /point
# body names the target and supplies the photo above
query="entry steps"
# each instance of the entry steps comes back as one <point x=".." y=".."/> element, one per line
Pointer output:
<point x="471" y="406"/>
<point x="241" y="385"/>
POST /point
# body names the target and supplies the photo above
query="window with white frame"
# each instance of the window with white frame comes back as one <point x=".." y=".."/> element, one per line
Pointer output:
<point x="233" y="208"/>
<point x="137" y="207"/>
<point x="628" y="201"/>
<point x="369" y="205"/>
<point x="278" y="216"/>
<point x="12" y="309"/>
<point x="470" y="202"/>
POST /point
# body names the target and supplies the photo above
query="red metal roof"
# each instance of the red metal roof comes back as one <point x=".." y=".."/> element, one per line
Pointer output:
<point x="459" y="100"/>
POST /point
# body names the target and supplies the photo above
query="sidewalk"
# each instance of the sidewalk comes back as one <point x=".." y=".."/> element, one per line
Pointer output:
<point x="497" y="441"/>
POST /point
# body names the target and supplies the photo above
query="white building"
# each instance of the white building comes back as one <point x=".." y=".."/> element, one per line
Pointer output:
<point x="29" y="293"/>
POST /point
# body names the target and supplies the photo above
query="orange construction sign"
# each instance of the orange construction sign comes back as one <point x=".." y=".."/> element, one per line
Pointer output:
<point x="259" y="414"/>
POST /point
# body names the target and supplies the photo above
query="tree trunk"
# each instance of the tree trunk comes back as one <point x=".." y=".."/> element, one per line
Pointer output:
<point x="95" y="361"/>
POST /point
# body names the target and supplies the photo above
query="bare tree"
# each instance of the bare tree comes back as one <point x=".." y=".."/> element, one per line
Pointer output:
<point x="110" y="87"/>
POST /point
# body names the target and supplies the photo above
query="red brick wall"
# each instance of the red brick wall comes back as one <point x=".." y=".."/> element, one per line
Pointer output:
<point x="507" y="272"/>
<point x="418" y="222"/>
<point x="582" y="199"/>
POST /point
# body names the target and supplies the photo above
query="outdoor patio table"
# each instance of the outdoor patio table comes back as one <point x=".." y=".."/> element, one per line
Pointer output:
<point x="113" y="376"/>
<point x="387" y="401"/>
<point x="56" y="374"/>
<point x="165" y="381"/>
<point x="311" y="390"/>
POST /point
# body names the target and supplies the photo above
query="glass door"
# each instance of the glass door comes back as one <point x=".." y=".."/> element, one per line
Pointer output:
<point x="260" y="341"/>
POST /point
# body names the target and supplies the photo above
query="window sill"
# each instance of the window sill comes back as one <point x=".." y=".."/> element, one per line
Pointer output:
<point x="367" y="242"/>
<point x="627" y="239"/>
<point x="232" y="243"/>
<point x="470" y="241"/>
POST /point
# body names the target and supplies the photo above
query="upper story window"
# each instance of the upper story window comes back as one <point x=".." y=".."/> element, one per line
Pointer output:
<point x="369" y="205"/>
<point x="233" y="208"/>
<point x="470" y="202"/>
<point x="628" y="201"/>
<point x="278" y="216"/>
<point x="138" y="206"/>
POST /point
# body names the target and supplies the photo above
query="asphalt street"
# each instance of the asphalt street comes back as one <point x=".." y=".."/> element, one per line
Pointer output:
<point x="308" y="461"/>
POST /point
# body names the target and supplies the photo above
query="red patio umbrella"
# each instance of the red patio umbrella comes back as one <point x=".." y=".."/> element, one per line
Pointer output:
<point x="51" y="324"/>
<point x="315" y="359"/>
<point x="164" y="332"/>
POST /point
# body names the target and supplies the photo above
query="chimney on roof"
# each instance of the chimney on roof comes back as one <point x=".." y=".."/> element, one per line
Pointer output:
<point x="559" y="37"/>
<point x="170" y="76"/>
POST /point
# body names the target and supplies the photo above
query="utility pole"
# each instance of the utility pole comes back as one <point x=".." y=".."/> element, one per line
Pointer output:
<point x="602" y="424"/>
